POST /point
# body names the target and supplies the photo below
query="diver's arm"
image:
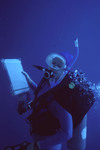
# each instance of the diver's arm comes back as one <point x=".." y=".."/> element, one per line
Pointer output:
<point x="31" y="83"/>
<point x="64" y="133"/>
<point x="23" y="106"/>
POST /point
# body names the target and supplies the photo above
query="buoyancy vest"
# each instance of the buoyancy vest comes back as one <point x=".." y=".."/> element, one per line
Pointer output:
<point x="73" y="94"/>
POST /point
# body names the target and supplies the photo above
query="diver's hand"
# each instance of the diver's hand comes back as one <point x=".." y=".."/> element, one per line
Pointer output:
<point x="26" y="75"/>
<point x="29" y="80"/>
<point x="76" y="42"/>
<point x="22" y="107"/>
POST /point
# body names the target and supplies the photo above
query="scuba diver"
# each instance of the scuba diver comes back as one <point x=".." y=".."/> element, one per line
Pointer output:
<point x="59" y="110"/>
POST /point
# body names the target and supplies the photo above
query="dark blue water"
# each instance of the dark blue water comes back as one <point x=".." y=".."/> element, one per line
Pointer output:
<point x="30" y="30"/>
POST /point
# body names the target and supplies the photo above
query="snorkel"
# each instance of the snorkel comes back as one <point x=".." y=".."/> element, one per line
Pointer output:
<point x="70" y="59"/>
<point x="67" y="59"/>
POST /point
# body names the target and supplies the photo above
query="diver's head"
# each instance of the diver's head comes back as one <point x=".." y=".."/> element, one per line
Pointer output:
<point x="56" y="61"/>
<point x="57" y="64"/>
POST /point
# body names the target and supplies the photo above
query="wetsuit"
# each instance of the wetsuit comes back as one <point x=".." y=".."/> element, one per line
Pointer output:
<point x="79" y="100"/>
<point x="57" y="128"/>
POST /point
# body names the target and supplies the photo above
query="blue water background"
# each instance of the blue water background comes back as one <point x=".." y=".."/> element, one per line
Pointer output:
<point x="30" y="30"/>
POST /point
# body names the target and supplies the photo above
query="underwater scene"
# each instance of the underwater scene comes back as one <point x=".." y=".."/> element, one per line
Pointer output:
<point x="49" y="75"/>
